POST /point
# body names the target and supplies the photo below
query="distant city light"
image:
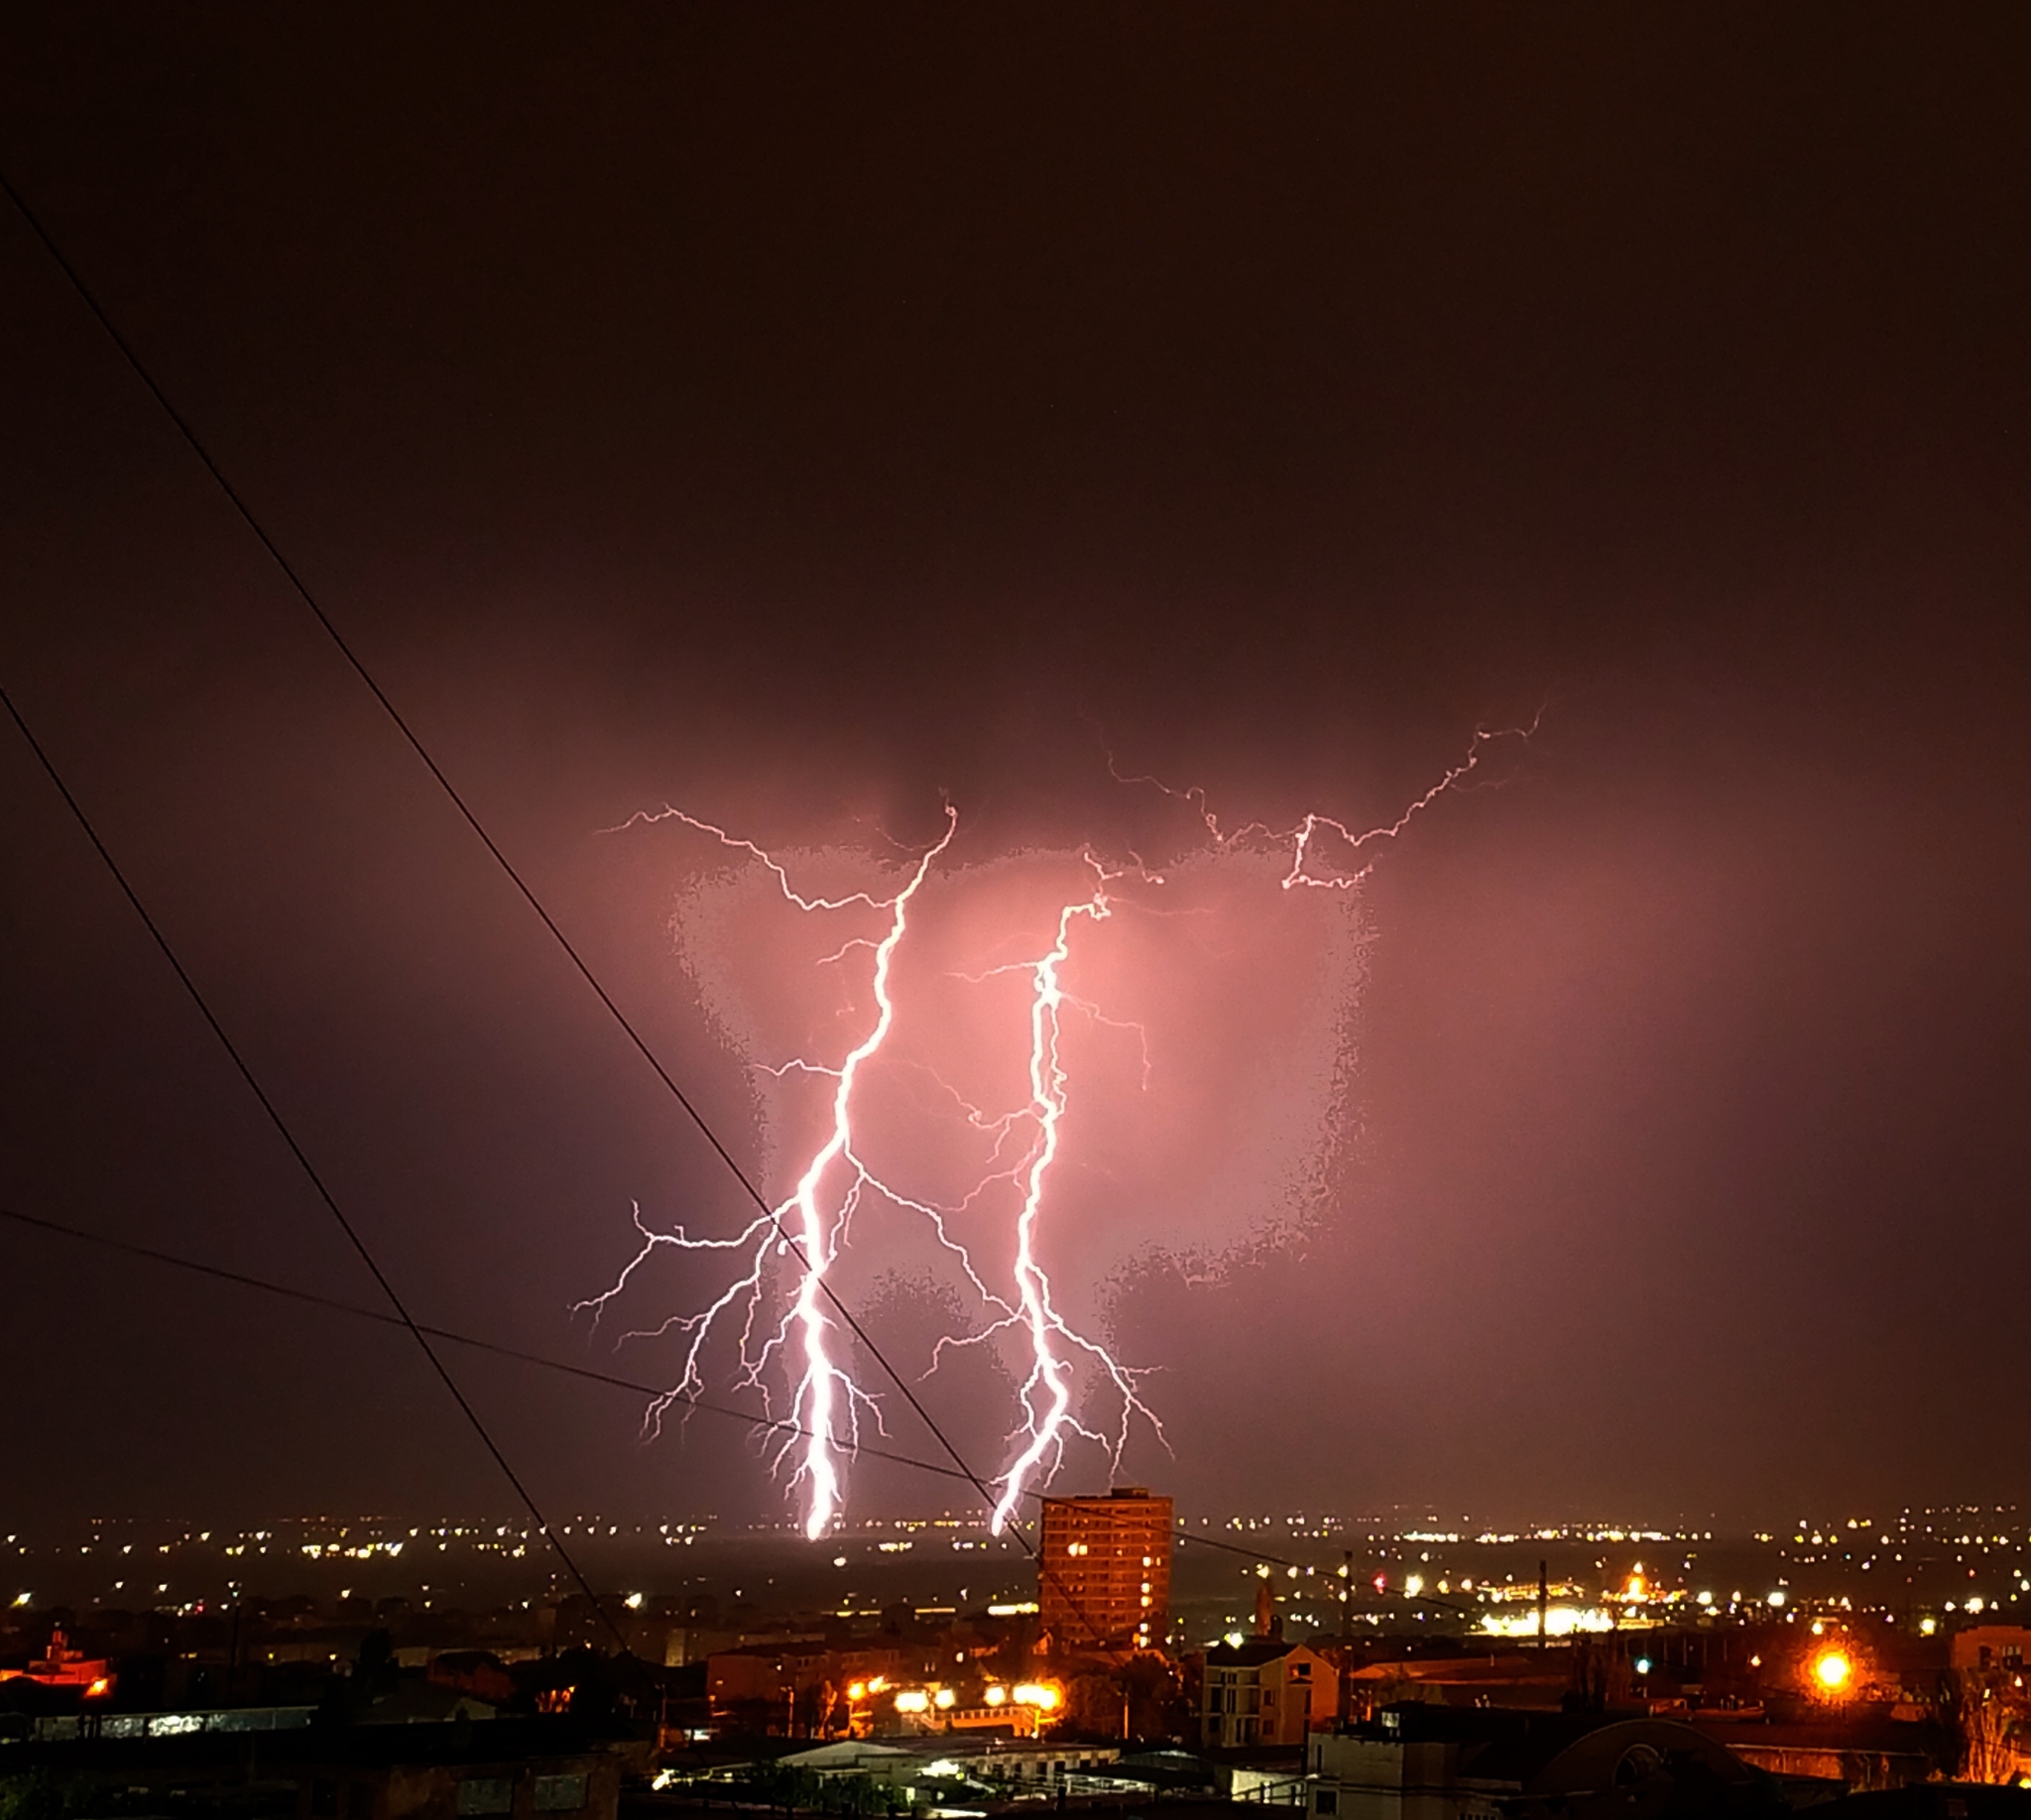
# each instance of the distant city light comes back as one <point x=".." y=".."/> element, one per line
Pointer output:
<point x="1832" y="1671"/>
<point x="634" y="1602"/>
<point x="1643" y="1664"/>
<point x="1774" y="1599"/>
<point x="1559" y="1621"/>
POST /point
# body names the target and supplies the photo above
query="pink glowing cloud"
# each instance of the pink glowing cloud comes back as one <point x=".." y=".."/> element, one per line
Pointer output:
<point x="1014" y="1072"/>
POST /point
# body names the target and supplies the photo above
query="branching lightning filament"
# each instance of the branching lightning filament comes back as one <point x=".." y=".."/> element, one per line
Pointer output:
<point x="774" y="1306"/>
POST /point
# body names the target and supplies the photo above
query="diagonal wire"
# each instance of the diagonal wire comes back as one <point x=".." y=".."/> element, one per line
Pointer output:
<point x="765" y="1424"/>
<point x="507" y="866"/>
<point x="296" y="1150"/>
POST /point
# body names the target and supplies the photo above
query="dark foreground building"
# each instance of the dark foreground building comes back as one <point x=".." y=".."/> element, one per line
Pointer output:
<point x="490" y="1769"/>
<point x="1427" y="1763"/>
<point x="504" y="1770"/>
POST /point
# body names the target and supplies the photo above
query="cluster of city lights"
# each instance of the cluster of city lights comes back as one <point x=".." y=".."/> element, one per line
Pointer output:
<point x="1041" y="1695"/>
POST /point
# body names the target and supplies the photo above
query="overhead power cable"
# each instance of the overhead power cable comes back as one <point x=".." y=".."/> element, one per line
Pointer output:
<point x="295" y="1150"/>
<point x="765" y="1424"/>
<point x="790" y="1243"/>
<point x="401" y="725"/>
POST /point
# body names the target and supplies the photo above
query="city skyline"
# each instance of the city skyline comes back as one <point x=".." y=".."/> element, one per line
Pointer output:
<point x="947" y="913"/>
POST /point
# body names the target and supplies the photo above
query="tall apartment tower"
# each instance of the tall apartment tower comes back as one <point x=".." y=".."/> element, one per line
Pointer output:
<point x="1105" y="1571"/>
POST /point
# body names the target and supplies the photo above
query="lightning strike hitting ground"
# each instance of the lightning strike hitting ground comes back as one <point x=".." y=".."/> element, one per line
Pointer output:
<point x="1048" y="1391"/>
<point x="790" y="1332"/>
<point x="822" y="1211"/>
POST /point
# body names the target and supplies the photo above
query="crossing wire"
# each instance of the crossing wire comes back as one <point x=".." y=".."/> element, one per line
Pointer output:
<point x="295" y="1150"/>
<point x="766" y="1424"/>
<point x="297" y="583"/>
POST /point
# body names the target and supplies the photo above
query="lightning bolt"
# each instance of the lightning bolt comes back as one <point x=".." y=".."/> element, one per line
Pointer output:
<point x="821" y="1225"/>
<point x="1046" y="1392"/>
<point x="1314" y="834"/>
<point x="802" y="1340"/>
<point x="827" y="1401"/>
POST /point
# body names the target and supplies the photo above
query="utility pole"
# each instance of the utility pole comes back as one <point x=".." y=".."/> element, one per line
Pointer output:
<point x="1543" y="1608"/>
<point x="1346" y="1638"/>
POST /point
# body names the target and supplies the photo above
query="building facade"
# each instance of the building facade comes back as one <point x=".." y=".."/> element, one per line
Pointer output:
<point x="1265" y="1692"/>
<point x="1104" y="1570"/>
<point x="498" y="1769"/>
<point x="1991" y="1646"/>
<point x="1432" y="1763"/>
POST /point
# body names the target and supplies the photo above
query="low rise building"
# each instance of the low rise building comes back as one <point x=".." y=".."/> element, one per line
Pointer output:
<point x="1988" y="1647"/>
<point x="61" y="1666"/>
<point x="1511" y="1678"/>
<point x="1861" y="1749"/>
<point x="1265" y="1692"/>
<point x="284" y="1762"/>
<point x="503" y="1771"/>
<point x="1435" y="1763"/>
<point x="1019" y="1763"/>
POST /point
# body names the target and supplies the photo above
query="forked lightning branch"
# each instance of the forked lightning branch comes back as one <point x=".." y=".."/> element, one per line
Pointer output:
<point x="774" y="1304"/>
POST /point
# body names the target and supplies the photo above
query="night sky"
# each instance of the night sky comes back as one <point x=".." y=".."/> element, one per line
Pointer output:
<point x="798" y="413"/>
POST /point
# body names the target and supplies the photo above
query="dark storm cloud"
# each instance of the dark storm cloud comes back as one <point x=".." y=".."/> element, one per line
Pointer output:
<point x="797" y="414"/>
